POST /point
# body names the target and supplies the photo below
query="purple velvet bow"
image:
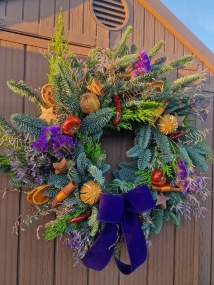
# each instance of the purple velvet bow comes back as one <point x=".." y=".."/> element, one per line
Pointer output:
<point x="119" y="214"/>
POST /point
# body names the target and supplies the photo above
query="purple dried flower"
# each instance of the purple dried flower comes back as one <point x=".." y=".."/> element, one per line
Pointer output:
<point x="142" y="64"/>
<point x="181" y="170"/>
<point x="51" y="138"/>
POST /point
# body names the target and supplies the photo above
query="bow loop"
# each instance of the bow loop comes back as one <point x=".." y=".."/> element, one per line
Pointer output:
<point x="138" y="200"/>
<point x="111" y="208"/>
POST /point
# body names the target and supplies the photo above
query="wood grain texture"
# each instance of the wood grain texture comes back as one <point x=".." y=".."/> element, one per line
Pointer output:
<point x="161" y="256"/>
<point x="2" y="8"/>
<point x="149" y="37"/>
<point x="11" y="59"/>
<point x="179" y="47"/>
<point x="76" y="16"/>
<point x="47" y="13"/>
<point x="89" y="24"/>
<point x="15" y="9"/>
<point x="66" y="272"/>
<point x="138" y="25"/>
<point x="31" y="11"/>
<point x="169" y="42"/>
<point x="159" y="33"/>
<point x="184" y="253"/>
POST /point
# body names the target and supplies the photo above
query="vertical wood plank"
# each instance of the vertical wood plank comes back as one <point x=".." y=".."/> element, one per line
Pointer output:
<point x="149" y="30"/>
<point x="138" y="25"/>
<point x="76" y="16"/>
<point x="11" y="67"/>
<point x="103" y="34"/>
<point x="114" y="37"/>
<point x="47" y="13"/>
<point x="2" y="8"/>
<point x="66" y="271"/>
<point x="161" y="256"/>
<point x="89" y="24"/>
<point x="206" y="224"/>
<point x="184" y="253"/>
<point x="159" y="33"/>
<point x="36" y="259"/>
<point x="15" y="9"/>
<point x="31" y="11"/>
<point x="169" y="42"/>
<point x="187" y="51"/>
<point x="179" y="48"/>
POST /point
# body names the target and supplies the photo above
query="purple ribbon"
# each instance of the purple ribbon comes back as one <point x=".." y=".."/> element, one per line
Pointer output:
<point x="119" y="214"/>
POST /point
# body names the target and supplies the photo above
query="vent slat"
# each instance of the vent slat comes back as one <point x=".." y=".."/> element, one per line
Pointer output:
<point x="109" y="5"/>
<point x="107" y="23"/>
<point x="109" y="16"/>
<point x="110" y="13"/>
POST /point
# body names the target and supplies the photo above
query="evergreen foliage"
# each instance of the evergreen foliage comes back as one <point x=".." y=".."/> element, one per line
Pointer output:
<point x="156" y="49"/>
<point x="28" y="124"/>
<point x="59" y="180"/>
<point x="182" y="62"/>
<point x="184" y="81"/>
<point x="21" y="89"/>
<point x="121" y="46"/>
<point x="95" y="122"/>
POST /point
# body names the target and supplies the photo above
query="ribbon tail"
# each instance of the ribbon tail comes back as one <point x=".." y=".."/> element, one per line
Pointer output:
<point x="101" y="252"/>
<point x="135" y="243"/>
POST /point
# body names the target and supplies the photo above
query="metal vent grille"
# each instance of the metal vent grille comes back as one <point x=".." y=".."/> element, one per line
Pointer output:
<point x="112" y="14"/>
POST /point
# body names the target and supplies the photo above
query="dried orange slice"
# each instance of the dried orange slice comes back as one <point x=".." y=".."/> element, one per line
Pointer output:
<point x="47" y="94"/>
<point x="29" y="197"/>
<point x="36" y="195"/>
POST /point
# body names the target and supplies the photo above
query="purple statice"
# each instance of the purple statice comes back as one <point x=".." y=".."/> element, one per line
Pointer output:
<point x="80" y="241"/>
<point x="200" y="104"/>
<point x="33" y="168"/>
<point x="142" y="64"/>
<point x="51" y="139"/>
<point x="187" y="179"/>
<point x="181" y="169"/>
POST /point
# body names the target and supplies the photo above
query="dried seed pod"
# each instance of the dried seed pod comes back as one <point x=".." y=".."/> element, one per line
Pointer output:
<point x="167" y="124"/>
<point x="89" y="103"/>
<point x="90" y="192"/>
<point x="71" y="125"/>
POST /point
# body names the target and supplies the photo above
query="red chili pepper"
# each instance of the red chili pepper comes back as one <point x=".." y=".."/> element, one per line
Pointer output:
<point x="79" y="218"/>
<point x="116" y="100"/>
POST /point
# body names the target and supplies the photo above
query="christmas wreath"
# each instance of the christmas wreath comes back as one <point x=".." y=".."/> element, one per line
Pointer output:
<point x="58" y="154"/>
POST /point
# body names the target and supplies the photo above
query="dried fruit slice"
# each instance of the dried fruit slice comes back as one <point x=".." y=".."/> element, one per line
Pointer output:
<point x="47" y="94"/>
<point x="36" y="195"/>
<point x="29" y="197"/>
